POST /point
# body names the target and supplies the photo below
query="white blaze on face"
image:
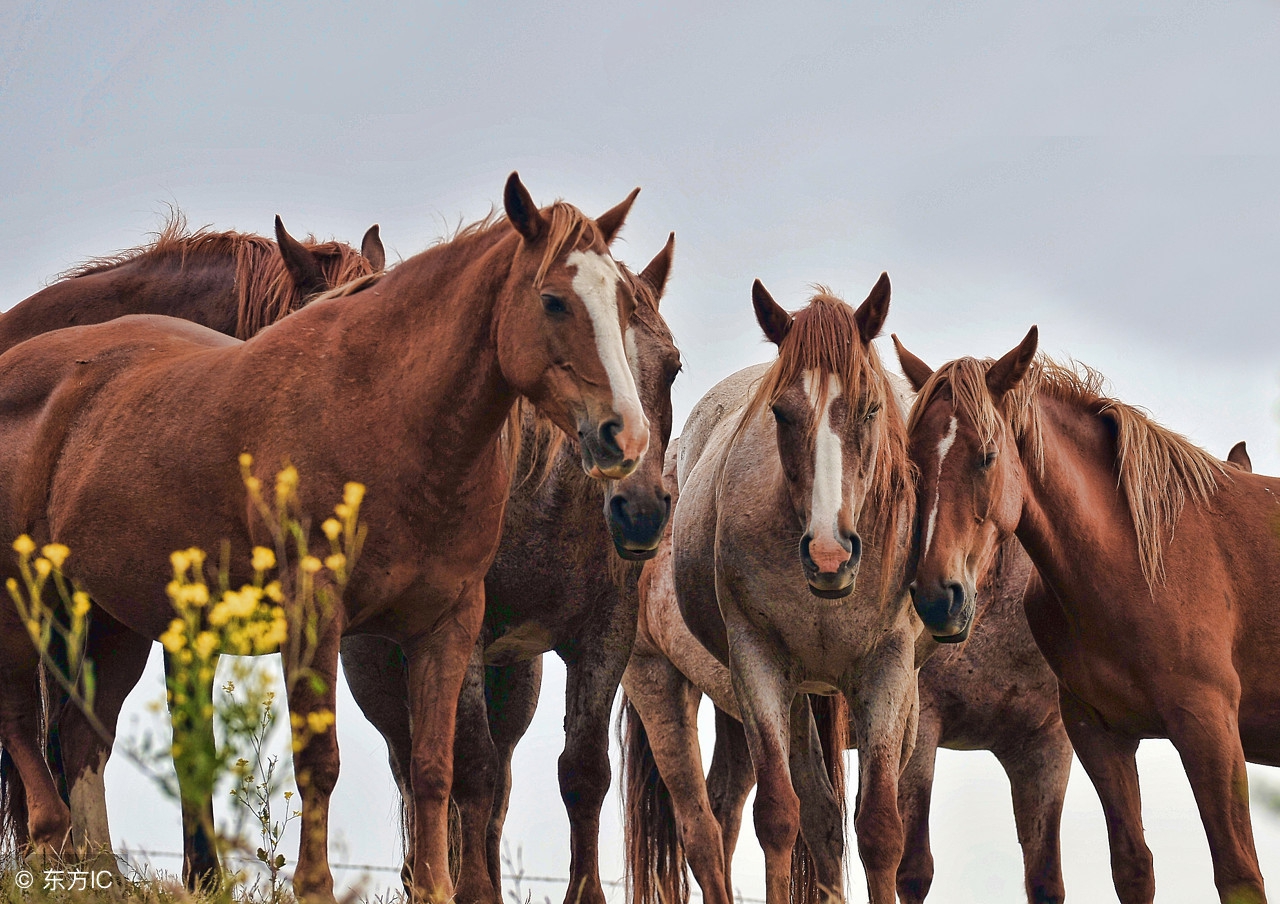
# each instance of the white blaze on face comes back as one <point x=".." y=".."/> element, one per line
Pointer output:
<point x="828" y="466"/>
<point x="944" y="446"/>
<point x="596" y="283"/>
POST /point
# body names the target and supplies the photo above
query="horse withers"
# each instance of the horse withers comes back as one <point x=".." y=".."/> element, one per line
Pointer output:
<point x="1157" y="563"/>
<point x="532" y="305"/>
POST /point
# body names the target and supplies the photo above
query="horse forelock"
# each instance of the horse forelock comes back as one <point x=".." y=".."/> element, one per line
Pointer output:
<point x="1158" y="471"/>
<point x="824" y="340"/>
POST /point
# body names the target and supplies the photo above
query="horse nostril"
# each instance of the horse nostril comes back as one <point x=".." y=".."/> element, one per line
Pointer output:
<point x="609" y="430"/>
<point x="955" y="592"/>
<point x="618" y="511"/>
<point x="853" y="543"/>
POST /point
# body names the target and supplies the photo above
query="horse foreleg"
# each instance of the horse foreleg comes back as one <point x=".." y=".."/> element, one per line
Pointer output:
<point x="1109" y="760"/>
<point x="1203" y="726"/>
<point x="885" y="713"/>
<point x="915" y="794"/>
<point x="378" y="676"/>
<point x="47" y="818"/>
<point x="473" y="787"/>
<point x="594" y="672"/>
<point x="1038" y="768"/>
<point x="821" y="816"/>
<point x="512" y="693"/>
<point x="764" y="693"/>
<point x="729" y="781"/>
<point x="437" y="666"/>
<point x="667" y="705"/>
<point x="200" y="867"/>
<point x="312" y="695"/>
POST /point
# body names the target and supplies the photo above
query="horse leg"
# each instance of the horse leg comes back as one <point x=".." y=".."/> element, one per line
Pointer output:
<point x="1108" y="758"/>
<point x="312" y="695"/>
<point x="821" y="817"/>
<point x="667" y="704"/>
<point x="593" y="674"/>
<point x="765" y="693"/>
<point x="119" y="657"/>
<point x="915" y="794"/>
<point x="729" y="781"/>
<point x="200" y="867"/>
<point x="473" y="787"/>
<point x="1038" y="768"/>
<point x="378" y="676"/>
<point x="885" y="714"/>
<point x="1203" y="726"/>
<point x="512" y="695"/>
<point x="47" y="818"/>
<point x="437" y="666"/>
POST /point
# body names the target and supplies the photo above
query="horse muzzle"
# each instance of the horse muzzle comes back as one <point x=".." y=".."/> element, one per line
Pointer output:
<point x="612" y="450"/>
<point x="831" y="573"/>
<point x="947" y="610"/>
<point x="636" y="522"/>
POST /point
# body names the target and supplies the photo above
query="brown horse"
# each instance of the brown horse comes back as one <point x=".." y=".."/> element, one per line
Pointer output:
<point x="994" y="692"/>
<point x="790" y="544"/>
<point x="555" y="585"/>
<point x="120" y="440"/>
<point x="232" y="282"/>
<point x="1158" y="563"/>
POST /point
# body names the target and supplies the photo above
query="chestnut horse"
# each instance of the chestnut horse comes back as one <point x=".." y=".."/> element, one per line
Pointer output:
<point x="235" y="283"/>
<point x="120" y="440"/>
<point x="549" y="588"/>
<point x="1158" y="565"/>
<point x="790" y="545"/>
<point x="994" y="692"/>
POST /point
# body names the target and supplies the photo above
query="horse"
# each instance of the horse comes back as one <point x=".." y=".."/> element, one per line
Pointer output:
<point x="232" y="282"/>
<point x="993" y="692"/>
<point x="558" y="584"/>
<point x="120" y="440"/>
<point x="790" y="546"/>
<point x="1156" y="563"/>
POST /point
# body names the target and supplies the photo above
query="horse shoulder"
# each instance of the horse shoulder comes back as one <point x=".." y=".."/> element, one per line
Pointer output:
<point x="719" y="403"/>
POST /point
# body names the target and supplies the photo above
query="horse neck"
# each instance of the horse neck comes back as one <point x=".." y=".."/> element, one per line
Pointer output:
<point x="1073" y="510"/>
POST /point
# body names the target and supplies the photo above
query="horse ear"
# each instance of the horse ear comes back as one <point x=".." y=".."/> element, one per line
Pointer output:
<point x="371" y="249"/>
<point x="775" y="322"/>
<point x="610" y="222"/>
<point x="872" y="312"/>
<point x="1239" y="456"/>
<point x="521" y="211"/>
<point x="1009" y="370"/>
<point x="303" y="266"/>
<point x="659" y="269"/>
<point x="916" y="371"/>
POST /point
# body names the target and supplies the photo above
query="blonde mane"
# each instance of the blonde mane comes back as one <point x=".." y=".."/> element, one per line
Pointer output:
<point x="1158" y="471"/>
<point x="824" y="337"/>
<point x="264" y="290"/>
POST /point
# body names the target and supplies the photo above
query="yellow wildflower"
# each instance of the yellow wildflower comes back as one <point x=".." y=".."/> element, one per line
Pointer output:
<point x="263" y="559"/>
<point x="246" y="460"/>
<point x="43" y="567"/>
<point x="342" y="510"/>
<point x="12" y="584"/>
<point x="197" y="556"/>
<point x="332" y="529"/>
<point x="79" y="604"/>
<point x="353" y="494"/>
<point x="295" y="720"/>
<point x="253" y="485"/>
<point x="273" y="592"/>
<point x="335" y="562"/>
<point x="24" y="545"/>
<point x="181" y="561"/>
<point x="206" y="643"/>
<point x="310" y="564"/>
<point x="55" y="553"/>
<point x="319" y="721"/>
<point x="176" y="637"/>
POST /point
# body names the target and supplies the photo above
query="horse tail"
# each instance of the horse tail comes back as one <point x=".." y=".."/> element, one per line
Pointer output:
<point x="831" y="714"/>
<point x="656" y="869"/>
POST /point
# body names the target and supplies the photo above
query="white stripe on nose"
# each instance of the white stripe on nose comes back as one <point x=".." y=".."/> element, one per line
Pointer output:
<point x="828" y="469"/>
<point x="596" y="283"/>
<point x="944" y="446"/>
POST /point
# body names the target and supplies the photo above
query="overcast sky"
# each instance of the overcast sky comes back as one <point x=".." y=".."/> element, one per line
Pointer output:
<point x="1108" y="170"/>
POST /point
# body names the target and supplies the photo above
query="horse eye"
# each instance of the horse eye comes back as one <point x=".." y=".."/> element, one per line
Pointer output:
<point x="871" y="413"/>
<point x="988" y="459"/>
<point x="553" y="304"/>
<point x="779" y="416"/>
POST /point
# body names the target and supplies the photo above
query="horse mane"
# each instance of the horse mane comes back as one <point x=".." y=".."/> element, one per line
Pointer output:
<point x="264" y="290"/>
<point x="824" y="337"/>
<point x="1159" y="471"/>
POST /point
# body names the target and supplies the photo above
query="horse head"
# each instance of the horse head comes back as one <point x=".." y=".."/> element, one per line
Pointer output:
<point x="971" y="481"/>
<point x="840" y="437"/>
<point x="560" y="322"/>
<point x="637" y="507"/>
